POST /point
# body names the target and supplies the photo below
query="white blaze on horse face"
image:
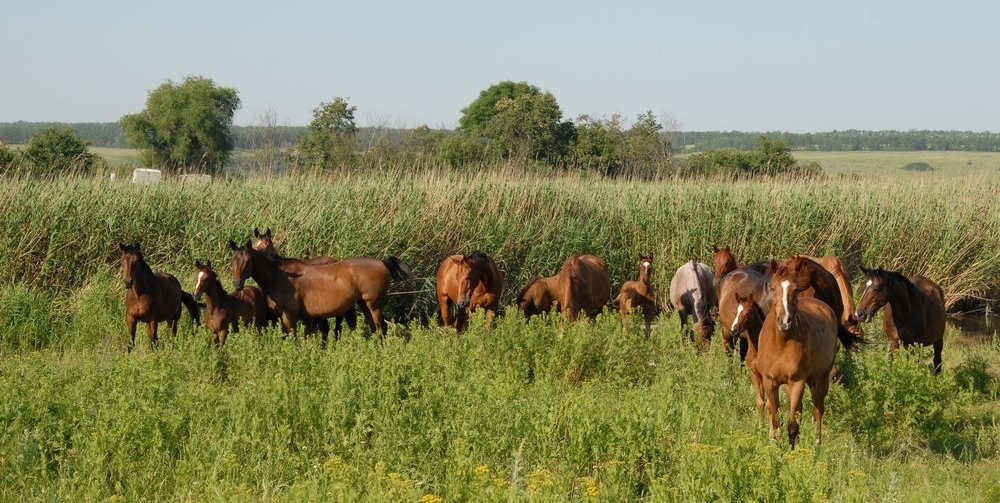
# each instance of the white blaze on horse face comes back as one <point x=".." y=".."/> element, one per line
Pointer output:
<point x="785" y="294"/>
<point x="646" y="264"/>
<point x="200" y="280"/>
<point x="736" y="321"/>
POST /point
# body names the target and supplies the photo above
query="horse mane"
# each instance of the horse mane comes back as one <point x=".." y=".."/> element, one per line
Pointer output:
<point x="478" y="255"/>
<point x="885" y="275"/>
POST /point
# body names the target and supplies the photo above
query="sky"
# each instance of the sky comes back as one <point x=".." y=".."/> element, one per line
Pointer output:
<point x="699" y="65"/>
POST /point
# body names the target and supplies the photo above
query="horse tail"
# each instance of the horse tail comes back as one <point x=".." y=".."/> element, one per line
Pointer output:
<point x="192" y="306"/>
<point x="849" y="340"/>
<point x="397" y="268"/>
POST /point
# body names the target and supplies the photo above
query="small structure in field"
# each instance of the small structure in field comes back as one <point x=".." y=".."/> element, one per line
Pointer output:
<point x="146" y="175"/>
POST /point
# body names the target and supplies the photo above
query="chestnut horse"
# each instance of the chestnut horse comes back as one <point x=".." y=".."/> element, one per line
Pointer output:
<point x="583" y="285"/>
<point x="692" y="293"/>
<point x="225" y="311"/>
<point x="724" y="262"/>
<point x="914" y="309"/>
<point x="306" y="292"/>
<point x="467" y="282"/>
<point x="538" y="295"/>
<point x="264" y="241"/>
<point x="639" y="294"/>
<point x="741" y="283"/>
<point x="151" y="297"/>
<point x="797" y="347"/>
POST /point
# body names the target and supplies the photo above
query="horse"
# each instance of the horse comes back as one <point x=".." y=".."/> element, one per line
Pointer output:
<point x="306" y="292"/>
<point x="749" y="319"/>
<point x="264" y="242"/>
<point x="692" y="293"/>
<point x="797" y="347"/>
<point x="914" y="309"/>
<point x="152" y="297"/>
<point x="639" y="294"/>
<point x="225" y="311"/>
<point x="743" y="283"/>
<point x="836" y="268"/>
<point x="584" y="285"/>
<point x="538" y="295"/>
<point x="723" y="262"/>
<point x="467" y="282"/>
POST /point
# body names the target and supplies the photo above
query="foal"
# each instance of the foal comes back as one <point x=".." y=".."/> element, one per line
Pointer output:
<point x="639" y="294"/>
<point x="224" y="311"/>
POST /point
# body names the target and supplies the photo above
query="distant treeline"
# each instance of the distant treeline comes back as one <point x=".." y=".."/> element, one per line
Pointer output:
<point x="108" y="134"/>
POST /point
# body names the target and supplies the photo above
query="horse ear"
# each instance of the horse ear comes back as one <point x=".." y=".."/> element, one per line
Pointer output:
<point x="715" y="249"/>
<point x="267" y="233"/>
<point x="256" y="232"/>
<point x="122" y="246"/>
<point x="232" y="245"/>
<point x="197" y="263"/>
<point x="249" y="244"/>
<point x="208" y="264"/>
<point x="774" y="266"/>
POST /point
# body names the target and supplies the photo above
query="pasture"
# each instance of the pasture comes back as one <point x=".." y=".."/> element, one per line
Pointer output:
<point x="517" y="412"/>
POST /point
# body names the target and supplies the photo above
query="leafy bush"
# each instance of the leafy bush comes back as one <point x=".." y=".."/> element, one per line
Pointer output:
<point x="58" y="151"/>
<point x="918" y="166"/>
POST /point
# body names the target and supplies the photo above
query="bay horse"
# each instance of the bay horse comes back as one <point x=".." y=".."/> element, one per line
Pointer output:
<point x="639" y="295"/>
<point x="692" y="293"/>
<point x="306" y="292"/>
<point x="797" y="348"/>
<point x="741" y="283"/>
<point x="264" y="242"/>
<point x="226" y="311"/>
<point x="538" y="296"/>
<point x="467" y="282"/>
<point x="749" y="319"/>
<point x="584" y="285"/>
<point x="152" y="297"/>
<point x="914" y="309"/>
<point x="723" y="262"/>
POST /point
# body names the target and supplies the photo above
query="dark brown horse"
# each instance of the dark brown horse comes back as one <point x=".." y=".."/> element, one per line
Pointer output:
<point x="151" y="297"/>
<point x="639" y="295"/>
<point x="467" y="282"/>
<point x="692" y="293"/>
<point x="584" y="285"/>
<point x="303" y="291"/>
<point x="264" y="242"/>
<point x="914" y="309"/>
<point x="538" y="296"/>
<point x="226" y="311"/>
<point x="748" y="320"/>
<point x="797" y="348"/>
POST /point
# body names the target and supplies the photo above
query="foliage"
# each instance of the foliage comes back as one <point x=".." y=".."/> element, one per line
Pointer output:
<point x="332" y="139"/>
<point x="184" y="127"/>
<point x="520" y="121"/>
<point x="918" y="166"/>
<point x="58" y="151"/>
<point x="769" y="157"/>
<point x="10" y="160"/>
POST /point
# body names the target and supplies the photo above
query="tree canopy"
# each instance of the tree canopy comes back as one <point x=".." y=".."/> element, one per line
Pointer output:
<point x="185" y="126"/>
<point x="332" y="136"/>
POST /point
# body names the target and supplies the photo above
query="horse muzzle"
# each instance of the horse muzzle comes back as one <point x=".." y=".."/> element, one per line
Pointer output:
<point x="784" y="324"/>
<point x="863" y="316"/>
<point x="128" y="283"/>
<point x="238" y="284"/>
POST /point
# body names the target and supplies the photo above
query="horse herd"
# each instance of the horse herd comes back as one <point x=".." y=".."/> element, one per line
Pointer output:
<point x="788" y="318"/>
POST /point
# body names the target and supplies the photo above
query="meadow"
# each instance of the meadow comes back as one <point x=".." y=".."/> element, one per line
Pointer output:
<point x="522" y="412"/>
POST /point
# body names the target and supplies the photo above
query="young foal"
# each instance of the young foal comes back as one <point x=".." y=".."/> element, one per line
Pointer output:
<point x="224" y="311"/>
<point x="639" y="294"/>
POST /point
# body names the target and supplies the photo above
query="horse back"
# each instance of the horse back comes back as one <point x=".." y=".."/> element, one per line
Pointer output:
<point x="584" y="283"/>
<point x="808" y="350"/>
<point x="933" y="308"/>
<point x="694" y="282"/>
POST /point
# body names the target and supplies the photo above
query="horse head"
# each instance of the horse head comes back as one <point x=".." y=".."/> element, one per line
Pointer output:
<point x="263" y="241"/>
<point x="874" y="296"/>
<point x="242" y="263"/>
<point x="645" y="268"/>
<point x="202" y="277"/>
<point x="784" y="283"/>
<point x="131" y="255"/>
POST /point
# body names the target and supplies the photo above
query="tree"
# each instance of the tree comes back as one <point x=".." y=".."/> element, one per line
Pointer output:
<point x="519" y="120"/>
<point x="645" y="150"/>
<point x="599" y="144"/>
<point x="184" y="126"/>
<point x="59" y="151"/>
<point x="332" y="136"/>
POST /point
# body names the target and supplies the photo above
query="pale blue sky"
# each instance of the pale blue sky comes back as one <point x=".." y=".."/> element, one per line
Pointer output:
<point x="806" y="66"/>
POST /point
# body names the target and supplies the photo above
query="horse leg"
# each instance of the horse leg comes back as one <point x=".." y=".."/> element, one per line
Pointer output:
<point x="771" y="392"/>
<point x="132" y="322"/>
<point x="151" y="328"/>
<point x="462" y="319"/>
<point x="445" y="305"/>
<point x="220" y="337"/>
<point x="818" y="391"/>
<point x="794" y="390"/>
<point x="938" y="346"/>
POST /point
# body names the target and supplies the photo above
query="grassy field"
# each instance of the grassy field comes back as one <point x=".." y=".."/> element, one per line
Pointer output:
<point x="948" y="163"/>
<point x="525" y="411"/>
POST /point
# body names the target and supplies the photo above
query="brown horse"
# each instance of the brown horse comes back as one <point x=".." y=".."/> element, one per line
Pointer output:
<point x="467" y="282"/>
<point x="692" y="293"/>
<point x="914" y="309"/>
<point x="741" y="283"/>
<point x="724" y="262"/>
<point x="797" y="347"/>
<point x="639" y="294"/>
<point x="264" y="242"/>
<point x="151" y="297"/>
<point x="306" y="292"/>
<point x="836" y="268"/>
<point x="584" y="285"/>
<point x="749" y="320"/>
<point x="225" y="311"/>
<point x="538" y="296"/>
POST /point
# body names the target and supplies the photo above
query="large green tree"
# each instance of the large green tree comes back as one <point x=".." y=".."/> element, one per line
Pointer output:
<point x="519" y="120"/>
<point x="332" y="138"/>
<point x="185" y="127"/>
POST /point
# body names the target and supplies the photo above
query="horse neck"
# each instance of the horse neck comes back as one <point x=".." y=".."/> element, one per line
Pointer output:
<point x="904" y="298"/>
<point x="143" y="277"/>
<point x="215" y="294"/>
<point x="265" y="270"/>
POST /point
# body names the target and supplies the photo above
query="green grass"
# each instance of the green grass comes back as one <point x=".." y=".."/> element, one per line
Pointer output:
<point x="950" y="163"/>
<point x="520" y="412"/>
